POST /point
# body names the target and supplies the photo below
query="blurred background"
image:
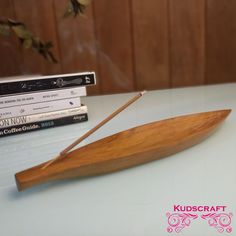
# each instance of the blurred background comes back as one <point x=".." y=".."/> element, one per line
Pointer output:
<point x="130" y="44"/>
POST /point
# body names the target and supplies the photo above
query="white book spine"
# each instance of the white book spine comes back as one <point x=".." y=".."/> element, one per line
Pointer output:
<point x="37" y="97"/>
<point x="20" y="120"/>
<point x="37" y="108"/>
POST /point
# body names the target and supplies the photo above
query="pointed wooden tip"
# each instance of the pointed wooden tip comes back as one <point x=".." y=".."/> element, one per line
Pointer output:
<point x="228" y="111"/>
<point x="225" y="112"/>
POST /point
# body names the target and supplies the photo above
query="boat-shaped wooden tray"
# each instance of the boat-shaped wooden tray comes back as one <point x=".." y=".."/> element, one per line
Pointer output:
<point x="132" y="147"/>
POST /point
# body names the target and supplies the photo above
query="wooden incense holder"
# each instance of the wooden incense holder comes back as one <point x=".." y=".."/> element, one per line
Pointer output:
<point x="129" y="148"/>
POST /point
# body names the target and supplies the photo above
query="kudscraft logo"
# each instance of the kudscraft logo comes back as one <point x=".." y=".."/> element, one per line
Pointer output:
<point x="216" y="217"/>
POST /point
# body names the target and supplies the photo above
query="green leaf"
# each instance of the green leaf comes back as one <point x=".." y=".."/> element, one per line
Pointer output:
<point x="27" y="39"/>
<point x="85" y="2"/>
<point x="27" y="43"/>
<point x="69" y="10"/>
<point x="76" y="7"/>
<point x="21" y="32"/>
<point x="4" y="29"/>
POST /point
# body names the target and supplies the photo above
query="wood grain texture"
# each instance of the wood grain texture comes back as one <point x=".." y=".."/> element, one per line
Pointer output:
<point x="80" y="54"/>
<point x="131" y="44"/>
<point x="113" y="33"/>
<point x="151" y="47"/>
<point x="129" y="148"/>
<point x="39" y="18"/>
<point x="187" y="46"/>
<point x="10" y="52"/>
<point x="221" y="41"/>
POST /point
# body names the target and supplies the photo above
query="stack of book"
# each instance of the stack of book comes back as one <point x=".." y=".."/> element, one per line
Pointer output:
<point x="36" y="103"/>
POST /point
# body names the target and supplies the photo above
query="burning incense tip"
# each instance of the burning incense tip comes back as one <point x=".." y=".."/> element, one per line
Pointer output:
<point x="143" y="92"/>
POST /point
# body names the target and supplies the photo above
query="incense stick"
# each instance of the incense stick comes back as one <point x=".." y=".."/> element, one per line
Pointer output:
<point x="79" y="140"/>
